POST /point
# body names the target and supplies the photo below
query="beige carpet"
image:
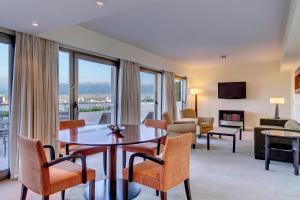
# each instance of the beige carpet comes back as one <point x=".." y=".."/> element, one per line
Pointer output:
<point x="217" y="174"/>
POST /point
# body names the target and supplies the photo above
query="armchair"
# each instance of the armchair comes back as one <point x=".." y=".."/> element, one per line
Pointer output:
<point x="165" y="172"/>
<point x="48" y="177"/>
<point x="176" y="128"/>
<point x="205" y="123"/>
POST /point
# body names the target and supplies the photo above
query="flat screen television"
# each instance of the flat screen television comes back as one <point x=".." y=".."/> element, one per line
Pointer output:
<point x="232" y="90"/>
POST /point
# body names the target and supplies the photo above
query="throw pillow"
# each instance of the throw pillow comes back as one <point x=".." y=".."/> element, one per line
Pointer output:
<point x="292" y="124"/>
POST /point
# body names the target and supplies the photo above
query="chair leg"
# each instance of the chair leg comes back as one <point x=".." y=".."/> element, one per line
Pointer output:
<point x="45" y="198"/>
<point x="125" y="190"/>
<point x="157" y="193"/>
<point x="63" y="195"/>
<point x="124" y="159"/>
<point x="105" y="162"/>
<point x="187" y="189"/>
<point x="92" y="190"/>
<point x="163" y="195"/>
<point x="23" y="192"/>
<point x="194" y="146"/>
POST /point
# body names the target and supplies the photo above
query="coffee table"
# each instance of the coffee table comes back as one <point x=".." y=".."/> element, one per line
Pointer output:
<point x="222" y="131"/>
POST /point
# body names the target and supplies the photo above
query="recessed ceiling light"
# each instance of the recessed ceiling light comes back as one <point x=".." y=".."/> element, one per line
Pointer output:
<point x="99" y="3"/>
<point x="35" y="24"/>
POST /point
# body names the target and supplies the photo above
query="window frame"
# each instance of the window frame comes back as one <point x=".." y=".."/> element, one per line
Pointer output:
<point x="158" y="95"/>
<point x="183" y="90"/>
<point x="73" y="74"/>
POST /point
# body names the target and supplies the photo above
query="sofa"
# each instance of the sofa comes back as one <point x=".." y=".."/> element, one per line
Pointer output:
<point x="175" y="128"/>
<point x="274" y="124"/>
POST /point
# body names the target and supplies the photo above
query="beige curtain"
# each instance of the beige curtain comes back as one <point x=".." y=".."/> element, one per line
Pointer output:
<point x="129" y="93"/>
<point x="169" y="92"/>
<point x="34" y="103"/>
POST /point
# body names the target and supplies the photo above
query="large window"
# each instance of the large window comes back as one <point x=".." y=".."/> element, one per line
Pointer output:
<point x="6" y="57"/>
<point x="87" y="88"/>
<point x="181" y="92"/>
<point x="150" y="94"/>
<point x="64" y="85"/>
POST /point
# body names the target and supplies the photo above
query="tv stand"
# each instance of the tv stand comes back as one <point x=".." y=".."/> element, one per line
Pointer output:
<point x="232" y="118"/>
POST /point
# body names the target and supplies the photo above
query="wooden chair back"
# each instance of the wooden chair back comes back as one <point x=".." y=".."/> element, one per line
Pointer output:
<point x="161" y="124"/>
<point x="71" y="124"/>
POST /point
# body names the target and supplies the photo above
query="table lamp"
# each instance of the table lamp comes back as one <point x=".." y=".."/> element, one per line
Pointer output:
<point x="276" y="101"/>
<point x="195" y="91"/>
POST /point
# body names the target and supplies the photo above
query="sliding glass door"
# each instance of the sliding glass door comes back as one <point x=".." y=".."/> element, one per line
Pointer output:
<point x="64" y="85"/>
<point x="6" y="56"/>
<point x="150" y="94"/>
<point x="95" y="90"/>
<point x="181" y="92"/>
<point x="87" y="88"/>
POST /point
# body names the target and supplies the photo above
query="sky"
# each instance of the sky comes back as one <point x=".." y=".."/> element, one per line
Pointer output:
<point x="92" y="72"/>
<point x="88" y="71"/>
<point x="4" y="48"/>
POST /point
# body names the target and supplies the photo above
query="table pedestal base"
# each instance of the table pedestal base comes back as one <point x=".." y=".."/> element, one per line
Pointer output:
<point x="102" y="193"/>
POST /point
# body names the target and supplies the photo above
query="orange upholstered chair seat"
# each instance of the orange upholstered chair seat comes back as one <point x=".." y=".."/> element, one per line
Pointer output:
<point x="146" y="173"/>
<point x="147" y="148"/>
<point x="66" y="175"/>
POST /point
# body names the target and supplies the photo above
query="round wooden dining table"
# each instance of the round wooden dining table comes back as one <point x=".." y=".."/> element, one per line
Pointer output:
<point x="99" y="135"/>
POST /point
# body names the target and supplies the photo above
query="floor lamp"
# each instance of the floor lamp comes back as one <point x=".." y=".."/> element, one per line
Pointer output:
<point x="195" y="91"/>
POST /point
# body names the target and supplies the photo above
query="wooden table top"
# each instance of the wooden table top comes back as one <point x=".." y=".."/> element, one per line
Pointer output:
<point x="281" y="133"/>
<point x="99" y="135"/>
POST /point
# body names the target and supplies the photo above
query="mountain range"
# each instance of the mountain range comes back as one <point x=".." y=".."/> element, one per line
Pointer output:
<point x="99" y="88"/>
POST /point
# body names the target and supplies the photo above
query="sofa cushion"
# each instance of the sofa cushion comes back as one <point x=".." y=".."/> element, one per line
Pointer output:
<point x="271" y="127"/>
<point x="292" y="124"/>
<point x="206" y="125"/>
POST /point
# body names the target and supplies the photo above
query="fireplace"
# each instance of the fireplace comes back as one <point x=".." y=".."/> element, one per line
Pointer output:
<point x="232" y="118"/>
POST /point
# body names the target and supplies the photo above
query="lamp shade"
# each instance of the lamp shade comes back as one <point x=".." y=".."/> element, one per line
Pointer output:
<point x="276" y="100"/>
<point x="194" y="91"/>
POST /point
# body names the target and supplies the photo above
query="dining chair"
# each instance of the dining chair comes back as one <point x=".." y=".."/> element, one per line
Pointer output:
<point x="48" y="177"/>
<point x="164" y="172"/>
<point x="81" y="149"/>
<point x="149" y="148"/>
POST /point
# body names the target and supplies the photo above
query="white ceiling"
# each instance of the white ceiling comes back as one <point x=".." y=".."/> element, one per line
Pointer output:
<point x="198" y="32"/>
<point x="192" y="32"/>
<point x="52" y="14"/>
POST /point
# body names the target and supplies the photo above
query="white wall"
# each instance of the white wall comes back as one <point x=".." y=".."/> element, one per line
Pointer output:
<point x="295" y="100"/>
<point x="79" y="37"/>
<point x="263" y="82"/>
